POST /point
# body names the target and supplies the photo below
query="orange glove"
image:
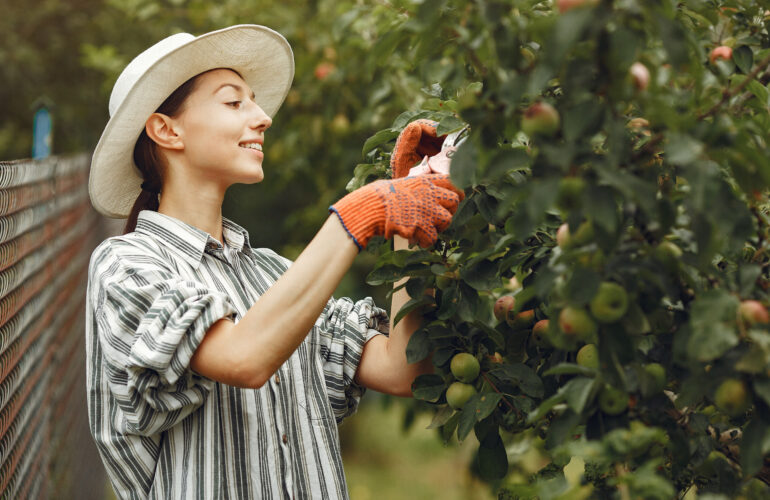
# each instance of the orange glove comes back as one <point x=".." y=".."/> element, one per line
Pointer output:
<point x="417" y="140"/>
<point x="416" y="208"/>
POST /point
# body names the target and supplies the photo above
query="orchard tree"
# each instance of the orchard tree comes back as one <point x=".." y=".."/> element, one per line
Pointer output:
<point x="597" y="311"/>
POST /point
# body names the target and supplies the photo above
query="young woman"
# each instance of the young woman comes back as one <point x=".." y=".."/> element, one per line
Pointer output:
<point x="216" y="370"/>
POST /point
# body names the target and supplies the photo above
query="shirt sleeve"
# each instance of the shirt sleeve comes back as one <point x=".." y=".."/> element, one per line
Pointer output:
<point x="343" y="329"/>
<point x="150" y="321"/>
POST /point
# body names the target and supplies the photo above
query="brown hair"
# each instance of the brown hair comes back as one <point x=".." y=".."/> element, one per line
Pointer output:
<point x="148" y="159"/>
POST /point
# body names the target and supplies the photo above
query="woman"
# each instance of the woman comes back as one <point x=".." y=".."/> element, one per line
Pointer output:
<point x="216" y="370"/>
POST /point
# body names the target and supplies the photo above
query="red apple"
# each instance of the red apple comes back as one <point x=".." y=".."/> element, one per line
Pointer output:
<point x="577" y="323"/>
<point x="524" y="319"/>
<point x="502" y="306"/>
<point x="640" y="75"/>
<point x="565" y="5"/>
<point x="540" y="118"/>
<point x="752" y="312"/>
<point x="323" y="70"/>
<point x="721" y="52"/>
<point x="539" y="334"/>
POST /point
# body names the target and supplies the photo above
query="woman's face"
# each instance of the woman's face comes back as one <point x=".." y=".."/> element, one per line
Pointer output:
<point x="222" y="130"/>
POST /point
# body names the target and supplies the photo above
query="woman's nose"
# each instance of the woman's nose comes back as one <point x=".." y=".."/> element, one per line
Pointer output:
<point x="260" y="120"/>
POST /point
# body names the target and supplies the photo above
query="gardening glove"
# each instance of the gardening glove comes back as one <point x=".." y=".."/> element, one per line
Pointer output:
<point x="416" y="208"/>
<point x="416" y="142"/>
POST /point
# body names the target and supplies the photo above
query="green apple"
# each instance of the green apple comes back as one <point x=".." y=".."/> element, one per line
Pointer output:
<point x="658" y="376"/>
<point x="577" y="323"/>
<point x="458" y="394"/>
<point x="668" y="253"/>
<point x="502" y="306"/>
<point x="610" y="303"/>
<point x="732" y="397"/>
<point x="540" y="334"/>
<point x="465" y="367"/>
<point x="752" y="312"/>
<point x="584" y="234"/>
<point x="569" y="195"/>
<point x="540" y="119"/>
<point x="613" y="401"/>
<point x="588" y="356"/>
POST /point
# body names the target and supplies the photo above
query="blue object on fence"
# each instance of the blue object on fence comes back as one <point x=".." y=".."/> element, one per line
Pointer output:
<point x="41" y="133"/>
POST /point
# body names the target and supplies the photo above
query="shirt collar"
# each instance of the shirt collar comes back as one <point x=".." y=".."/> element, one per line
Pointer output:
<point x="187" y="240"/>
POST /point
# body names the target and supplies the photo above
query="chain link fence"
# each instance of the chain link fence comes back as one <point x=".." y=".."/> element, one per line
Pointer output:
<point x="48" y="230"/>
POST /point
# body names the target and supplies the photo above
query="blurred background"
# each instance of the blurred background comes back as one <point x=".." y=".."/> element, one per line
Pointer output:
<point x="356" y="71"/>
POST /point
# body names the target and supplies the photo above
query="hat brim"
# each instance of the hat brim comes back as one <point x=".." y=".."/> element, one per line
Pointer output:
<point x="263" y="58"/>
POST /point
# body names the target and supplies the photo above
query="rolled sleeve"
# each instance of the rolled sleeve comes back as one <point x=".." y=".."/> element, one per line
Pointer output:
<point x="344" y="328"/>
<point x="150" y="323"/>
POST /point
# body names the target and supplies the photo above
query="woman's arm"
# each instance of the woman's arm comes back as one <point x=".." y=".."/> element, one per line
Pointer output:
<point x="246" y="354"/>
<point x="383" y="366"/>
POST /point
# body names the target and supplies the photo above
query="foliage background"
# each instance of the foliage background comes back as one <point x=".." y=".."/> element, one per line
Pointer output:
<point x="696" y="175"/>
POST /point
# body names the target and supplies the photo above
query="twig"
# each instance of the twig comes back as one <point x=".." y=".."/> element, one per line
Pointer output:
<point x="500" y="392"/>
<point x="727" y="94"/>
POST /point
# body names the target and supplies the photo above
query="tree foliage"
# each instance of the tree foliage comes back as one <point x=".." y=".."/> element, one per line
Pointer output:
<point x="661" y="180"/>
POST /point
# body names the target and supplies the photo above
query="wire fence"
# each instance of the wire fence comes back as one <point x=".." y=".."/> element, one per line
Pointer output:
<point x="48" y="230"/>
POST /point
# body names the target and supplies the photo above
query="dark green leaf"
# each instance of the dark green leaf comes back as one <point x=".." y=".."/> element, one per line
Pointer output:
<point x="743" y="58"/>
<point x="577" y="392"/>
<point x="441" y="417"/>
<point x="751" y="446"/>
<point x="428" y="387"/>
<point x="419" y="346"/>
<point x="378" y="139"/>
<point x="519" y="374"/>
<point x="464" y="161"/>
<point x="482" y="275"/>
<point x="582" y="286"/>
<point x="713" y="325"/>
<point x="449" y="124"/>
<point x="493" y="460"/>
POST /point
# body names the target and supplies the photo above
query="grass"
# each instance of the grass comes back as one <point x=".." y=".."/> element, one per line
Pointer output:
<point x="382" y="461"/>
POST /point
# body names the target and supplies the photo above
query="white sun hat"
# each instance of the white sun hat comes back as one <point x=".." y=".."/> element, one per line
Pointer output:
<point x="262" y="56"/>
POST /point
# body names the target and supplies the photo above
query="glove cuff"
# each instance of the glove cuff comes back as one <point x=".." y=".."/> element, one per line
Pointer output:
<point x="362" y="214"/>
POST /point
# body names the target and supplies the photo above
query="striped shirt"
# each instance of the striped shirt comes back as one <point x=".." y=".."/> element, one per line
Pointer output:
<point x="164" y="431"/>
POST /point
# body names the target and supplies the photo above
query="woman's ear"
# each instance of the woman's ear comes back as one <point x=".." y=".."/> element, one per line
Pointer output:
<point x="160" y="128"/>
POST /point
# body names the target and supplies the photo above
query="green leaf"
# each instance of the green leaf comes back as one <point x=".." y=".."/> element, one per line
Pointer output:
<point x="493" y="460"/>
<point x="561" y="428"/>
<point x="378" y="139"/>
<point x="577" y="392"/>
<point x="385" y="274"/>
<point x="683" y="149"/>
<point x="713" y="325"/>
<point x="411" y="305"/>
<point x="570" y="369"/>
<point x="464" y="161"/>
<point x="743" y="58"/>
<point x="419" y="346"/>
<point x="762" y="388"/>
<point x="428" y="387"/>
<point x="481" y="275"/>
<point x="582" y="286"/>
<point x="519" y="374"/>
<point x="441" y="417"/>
<point x="751" y="446"/>
<point x="449" y="124"/>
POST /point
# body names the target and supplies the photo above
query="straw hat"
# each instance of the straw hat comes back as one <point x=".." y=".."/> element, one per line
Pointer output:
<point x="262" y="56"/>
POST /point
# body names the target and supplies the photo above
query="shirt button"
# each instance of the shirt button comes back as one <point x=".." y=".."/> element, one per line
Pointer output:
<point x="277" y="379"/>
<point x="285" y="439"/>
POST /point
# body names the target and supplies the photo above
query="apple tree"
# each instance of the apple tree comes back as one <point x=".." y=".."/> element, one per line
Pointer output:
<point x="597" y="311"/>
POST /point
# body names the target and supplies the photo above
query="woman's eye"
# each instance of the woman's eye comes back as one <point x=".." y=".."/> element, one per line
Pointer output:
<point x="235" y="104"/>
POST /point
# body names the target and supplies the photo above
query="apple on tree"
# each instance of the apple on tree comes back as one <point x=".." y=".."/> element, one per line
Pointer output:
<point x="465" y="367"/>
<point x="612" y="400"/>
<point x="640" y="76"/>
<point x="540" y="119"/>
<point x="588" y="356"/>
<point x="722" y="52"/>
<point x="540" y="335"/>
<point x="565" y="5"/>
<point x="524" y="319"/>
<point x="752" y="312"/>
<point x="732" y="397"/>
<point x="610" y="303"/>
<point x="577" y="323"/>
<point x="458" y="394"/>
<point x="502" y="306"/>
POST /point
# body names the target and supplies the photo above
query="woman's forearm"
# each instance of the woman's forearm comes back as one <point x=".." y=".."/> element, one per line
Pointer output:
<point x="402" y="332"/>
<point x="249" y="352"/>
